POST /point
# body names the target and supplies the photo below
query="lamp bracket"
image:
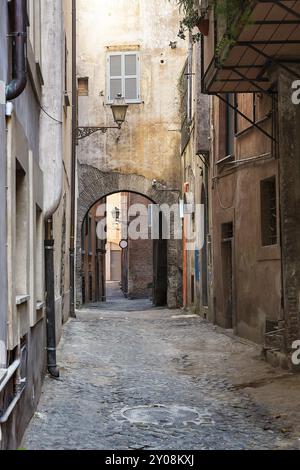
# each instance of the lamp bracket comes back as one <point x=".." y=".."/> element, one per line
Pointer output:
<point x="83" y="132"/>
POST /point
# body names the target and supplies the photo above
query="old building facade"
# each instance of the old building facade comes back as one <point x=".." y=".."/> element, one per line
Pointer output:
<point x="195" y="152"/>
<point x="35" y="170"/>
<point x="131" y="55"/>
<point x="211" y="126"/>
<point x="251" y="219"/>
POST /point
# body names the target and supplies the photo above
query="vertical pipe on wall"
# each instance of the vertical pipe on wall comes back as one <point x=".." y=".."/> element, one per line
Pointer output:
<point x="19" y="49"/>
<point x="50" y="301"/>
<point x="73" y="171"/>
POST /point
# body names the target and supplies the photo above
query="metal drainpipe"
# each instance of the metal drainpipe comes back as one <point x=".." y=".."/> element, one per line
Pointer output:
<point x="50" y="302"/>
<point x="73" y="170"/>
<point x="19" y="49"/>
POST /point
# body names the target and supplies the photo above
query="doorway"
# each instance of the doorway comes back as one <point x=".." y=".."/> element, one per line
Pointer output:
<point x="115" y="264"/>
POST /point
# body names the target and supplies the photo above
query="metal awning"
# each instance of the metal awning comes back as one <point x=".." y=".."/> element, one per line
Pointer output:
<point x="272" y="37"/>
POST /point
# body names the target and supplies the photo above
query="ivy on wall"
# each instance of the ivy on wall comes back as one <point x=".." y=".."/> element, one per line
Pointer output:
<point x="233" y="13"/>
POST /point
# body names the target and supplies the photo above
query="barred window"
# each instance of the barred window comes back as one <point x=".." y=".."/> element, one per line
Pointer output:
<point x="268" y="211"/>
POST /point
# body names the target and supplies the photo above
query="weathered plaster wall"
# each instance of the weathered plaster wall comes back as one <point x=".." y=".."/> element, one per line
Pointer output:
<point x="61" y="170"/>
<point x="3" y="254"/>
<point x="193" y="172"/>
<point x="20" y="149"/>
<point x="50" y="130"/>
<point x="23" y="149"/>
<point x="289" y="150"/>
<point x="236" y="198"/>
<point x="148" y="143"/>
<point x="93" y="185"/>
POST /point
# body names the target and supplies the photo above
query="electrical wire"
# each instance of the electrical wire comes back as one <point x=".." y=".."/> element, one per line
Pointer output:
<point x="233" y="195"/>
<point x="47" y="114"/>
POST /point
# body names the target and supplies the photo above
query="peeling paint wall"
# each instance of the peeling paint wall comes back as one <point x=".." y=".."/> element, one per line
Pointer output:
<point x="26" y="196"/>
<point x="148" y="143"/>
<point x="62" y="171"/>
<point x="236" y="198"/>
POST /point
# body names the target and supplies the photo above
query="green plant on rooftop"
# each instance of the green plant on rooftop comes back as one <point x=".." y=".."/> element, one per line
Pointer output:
<point x="232" y="15"/>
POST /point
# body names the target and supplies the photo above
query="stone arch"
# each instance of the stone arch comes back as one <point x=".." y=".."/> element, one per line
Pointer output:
<point x="93" y="185"/>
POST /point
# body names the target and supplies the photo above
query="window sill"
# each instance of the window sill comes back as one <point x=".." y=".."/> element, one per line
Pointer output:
<point x="269" y="253"/>
<point x="109" y="103"/>
<point x="22" y="299"/>
<point x="40" y="305"/>
<point x="227" y="159"/>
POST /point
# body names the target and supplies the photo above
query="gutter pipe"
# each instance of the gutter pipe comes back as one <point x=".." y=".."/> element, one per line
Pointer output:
<point x="73" y="174"/>
<point x="19" y="49"/>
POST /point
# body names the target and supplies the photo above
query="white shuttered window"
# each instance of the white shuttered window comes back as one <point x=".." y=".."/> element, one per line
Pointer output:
<point x="123" y="76"/>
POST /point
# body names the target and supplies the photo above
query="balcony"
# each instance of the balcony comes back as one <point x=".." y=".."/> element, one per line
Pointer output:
<point x="270" y="37"/>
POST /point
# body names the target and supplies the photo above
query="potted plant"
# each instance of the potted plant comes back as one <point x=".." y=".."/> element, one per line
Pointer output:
<point x="192" y="20"/>
<point x="203" y="25"/>
<point x="228" y="10"/>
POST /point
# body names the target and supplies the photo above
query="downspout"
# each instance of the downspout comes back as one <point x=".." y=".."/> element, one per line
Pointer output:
<point x="73" y="174"/>
<point x="50" y="301"/>
<point x="51" y="153"/>
<point x="19" y="49"/>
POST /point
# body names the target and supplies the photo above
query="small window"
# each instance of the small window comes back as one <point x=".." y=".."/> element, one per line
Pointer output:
<point x="268" y="211"/>
<point x="227" y="231"/>
<point x="123" y="76"/>
<point x="83" y="86"/>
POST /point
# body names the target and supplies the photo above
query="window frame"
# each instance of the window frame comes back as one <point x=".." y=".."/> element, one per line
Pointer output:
<point x="34" y="33"/>
<point x="123" y="77"/>
<point x="264" y="220"/>
<point x="83" y="91"/>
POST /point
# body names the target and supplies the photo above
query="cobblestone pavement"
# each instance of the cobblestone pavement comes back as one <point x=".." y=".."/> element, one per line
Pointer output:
<point x="133" y="377"/>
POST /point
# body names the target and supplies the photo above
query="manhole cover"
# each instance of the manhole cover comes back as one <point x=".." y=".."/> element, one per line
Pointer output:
<point x="165" y="415"/>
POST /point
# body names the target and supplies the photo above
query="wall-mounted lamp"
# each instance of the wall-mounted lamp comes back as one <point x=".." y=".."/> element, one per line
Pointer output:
<point x="119" y="111"/>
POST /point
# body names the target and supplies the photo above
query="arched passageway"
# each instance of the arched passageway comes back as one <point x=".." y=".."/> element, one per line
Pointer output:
<point x="119" y="257"/>
<point x="93" y="186"/>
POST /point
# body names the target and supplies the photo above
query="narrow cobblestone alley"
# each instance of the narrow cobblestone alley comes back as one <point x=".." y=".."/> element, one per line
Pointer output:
<point x="134" y="377"/>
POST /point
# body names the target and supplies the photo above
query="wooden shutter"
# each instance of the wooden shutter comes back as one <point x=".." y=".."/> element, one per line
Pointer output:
<point x="123" y="76"/>
<point x="115" y="76"/>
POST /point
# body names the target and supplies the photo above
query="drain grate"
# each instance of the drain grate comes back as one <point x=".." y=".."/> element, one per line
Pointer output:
<point x="167" y="415"/>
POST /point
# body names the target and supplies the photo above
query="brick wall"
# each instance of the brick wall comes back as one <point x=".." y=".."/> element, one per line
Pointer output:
<point x="140" y="258"/>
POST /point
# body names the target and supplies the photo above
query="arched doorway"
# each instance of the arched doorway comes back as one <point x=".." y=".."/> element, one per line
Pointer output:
<point x="94" y="185"/>
<point x="119" y="256"/>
